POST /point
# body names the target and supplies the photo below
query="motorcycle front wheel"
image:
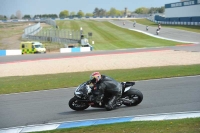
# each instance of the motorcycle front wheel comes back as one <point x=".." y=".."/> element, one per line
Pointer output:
<point x="77" y="105"/>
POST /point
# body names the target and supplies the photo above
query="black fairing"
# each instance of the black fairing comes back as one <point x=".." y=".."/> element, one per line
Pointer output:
<point x="82" y="90"/>
<point x="127" y="84"/>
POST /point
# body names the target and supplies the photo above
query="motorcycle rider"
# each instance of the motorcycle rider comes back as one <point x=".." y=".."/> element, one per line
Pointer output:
<point x="105" y="84"/>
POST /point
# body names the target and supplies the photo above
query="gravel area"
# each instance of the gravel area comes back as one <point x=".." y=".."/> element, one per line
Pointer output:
<point x="100" y="62"/>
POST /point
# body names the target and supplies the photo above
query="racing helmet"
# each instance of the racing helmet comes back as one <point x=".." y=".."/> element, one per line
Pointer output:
<point x="95" y="77"/>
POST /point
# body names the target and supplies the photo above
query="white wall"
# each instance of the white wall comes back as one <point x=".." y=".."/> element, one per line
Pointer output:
<point x="14" y="52"/>
<point x="184" y="11"/>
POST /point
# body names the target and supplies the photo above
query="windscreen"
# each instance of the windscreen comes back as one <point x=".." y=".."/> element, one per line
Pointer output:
<point x="82" y="89"/>
<point x="38" y="45"/>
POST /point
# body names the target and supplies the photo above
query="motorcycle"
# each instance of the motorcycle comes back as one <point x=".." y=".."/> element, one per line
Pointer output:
<point x="83" y="93"/>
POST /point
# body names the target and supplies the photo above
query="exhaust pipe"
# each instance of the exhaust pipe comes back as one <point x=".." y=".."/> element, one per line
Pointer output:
<point x="127" y="100"/>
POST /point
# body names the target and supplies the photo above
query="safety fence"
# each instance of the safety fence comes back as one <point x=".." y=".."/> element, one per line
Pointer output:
<point x="61" y="50"/>
<point x="51" y="22"/>
<point x="10" y="52"/>
<point x="65" y="37"/>
<point x="173" y="22"/>
<point x="31" y="30"/>
<point x="55" y="35"/>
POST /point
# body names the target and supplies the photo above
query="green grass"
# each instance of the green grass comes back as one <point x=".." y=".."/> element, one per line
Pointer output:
<point x="71" y="24"/>
<point x="191" y="125"/>
<point x="105" y="35"/>
<point x="10" y="29"/>
<point x="193" y="28"/>
<point x="110" y="37"/>
<point x="18" y="84"/>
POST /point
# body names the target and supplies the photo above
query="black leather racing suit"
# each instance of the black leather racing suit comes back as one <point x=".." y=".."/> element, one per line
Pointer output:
<point x="107" y="85"/>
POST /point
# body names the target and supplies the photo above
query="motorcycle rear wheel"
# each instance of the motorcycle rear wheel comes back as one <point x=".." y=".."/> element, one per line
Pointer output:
<point x="77" y="105"/>
<point x="135" y="95"/>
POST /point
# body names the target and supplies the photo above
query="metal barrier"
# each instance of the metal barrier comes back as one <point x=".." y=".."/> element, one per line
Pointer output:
<point x="174" y="22"/>
<point x="31" y="30"/>
<point x="65" y="37"/>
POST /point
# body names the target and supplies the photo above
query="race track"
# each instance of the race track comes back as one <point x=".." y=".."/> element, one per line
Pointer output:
<point x="160" y="96"/>
<point x="169" y="33"/>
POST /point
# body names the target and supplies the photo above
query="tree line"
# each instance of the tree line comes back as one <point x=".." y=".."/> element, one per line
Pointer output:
<point x="98" y="12"/>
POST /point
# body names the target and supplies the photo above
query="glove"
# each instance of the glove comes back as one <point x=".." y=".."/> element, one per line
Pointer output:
<point x="88" y="82"/>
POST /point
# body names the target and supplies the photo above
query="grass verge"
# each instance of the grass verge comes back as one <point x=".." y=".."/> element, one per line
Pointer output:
<point x="191" y="125"/>
<point x="193" y="28"/>
<point x="51" y="81"/>
<point x="110" y="37"/>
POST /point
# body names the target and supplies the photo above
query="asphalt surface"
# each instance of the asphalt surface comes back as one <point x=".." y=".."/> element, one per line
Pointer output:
<point x="16" y="58"/>
<point x="170" y="33"/>
<point x="160" y="96"/>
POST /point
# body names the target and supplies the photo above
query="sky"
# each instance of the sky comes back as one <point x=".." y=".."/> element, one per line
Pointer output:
<point x="35" y="7"/>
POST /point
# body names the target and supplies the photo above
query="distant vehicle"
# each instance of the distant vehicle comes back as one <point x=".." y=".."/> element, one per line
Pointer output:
<point x="157" y="31"/>
<point x="32" y="47"/>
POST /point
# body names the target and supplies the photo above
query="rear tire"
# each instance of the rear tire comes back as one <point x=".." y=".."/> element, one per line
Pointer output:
<point x="77" y="105"/>
<point x="135" y="95"/>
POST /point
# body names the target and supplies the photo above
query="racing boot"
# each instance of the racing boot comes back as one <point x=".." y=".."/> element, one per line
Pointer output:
<point x="111" y="104"/>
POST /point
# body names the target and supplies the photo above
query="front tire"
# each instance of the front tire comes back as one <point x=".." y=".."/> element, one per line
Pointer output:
<point x="135" y="95"/>
<point x="77" y="105"/>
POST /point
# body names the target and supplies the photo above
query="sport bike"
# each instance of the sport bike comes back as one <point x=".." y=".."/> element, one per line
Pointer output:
<point x="84" y="97"/>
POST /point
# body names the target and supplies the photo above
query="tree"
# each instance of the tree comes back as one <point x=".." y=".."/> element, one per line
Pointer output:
<point x="13" y="16"/>
<point x="88" y="14"/>
<point x="152" y="10"/>
<point x="157" y="10"/>
<point x="72" y="14"/>
<point x="114" y="12"/>
<point x="142" y="10"/>
<point x="161" y="9"/>
<point x="64" y="14"/>
<point x="96" y="12"/>
<point x="37" y="16"/>
<point x="18" y="14"/>
<point x="26" y="17"/>
<point x="99" y="12"/>
<point x="122" y="12"/>
<point x="1" y="17"/>
<point x="52" y="15"/>
<point x="102" y="12"/>
<point x="119" y="13"/>
<point x="45" y="16"/>
<point x="80" y="14"/>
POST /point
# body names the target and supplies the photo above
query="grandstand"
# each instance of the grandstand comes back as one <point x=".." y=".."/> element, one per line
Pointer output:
<point x="187" y="11"/>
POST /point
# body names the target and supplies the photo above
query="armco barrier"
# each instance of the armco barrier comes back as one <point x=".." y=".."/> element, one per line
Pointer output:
<point x="10" y="52"/>
<point x="78" y="49"/>
<point x="62" y="50"/>
<point x="2" y="52"/>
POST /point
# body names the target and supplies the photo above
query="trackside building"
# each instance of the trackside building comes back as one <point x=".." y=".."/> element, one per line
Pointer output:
<point x="183" y="11"/>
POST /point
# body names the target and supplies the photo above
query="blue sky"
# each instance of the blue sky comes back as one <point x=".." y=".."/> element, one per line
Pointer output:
<point x="33" y="7"/>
